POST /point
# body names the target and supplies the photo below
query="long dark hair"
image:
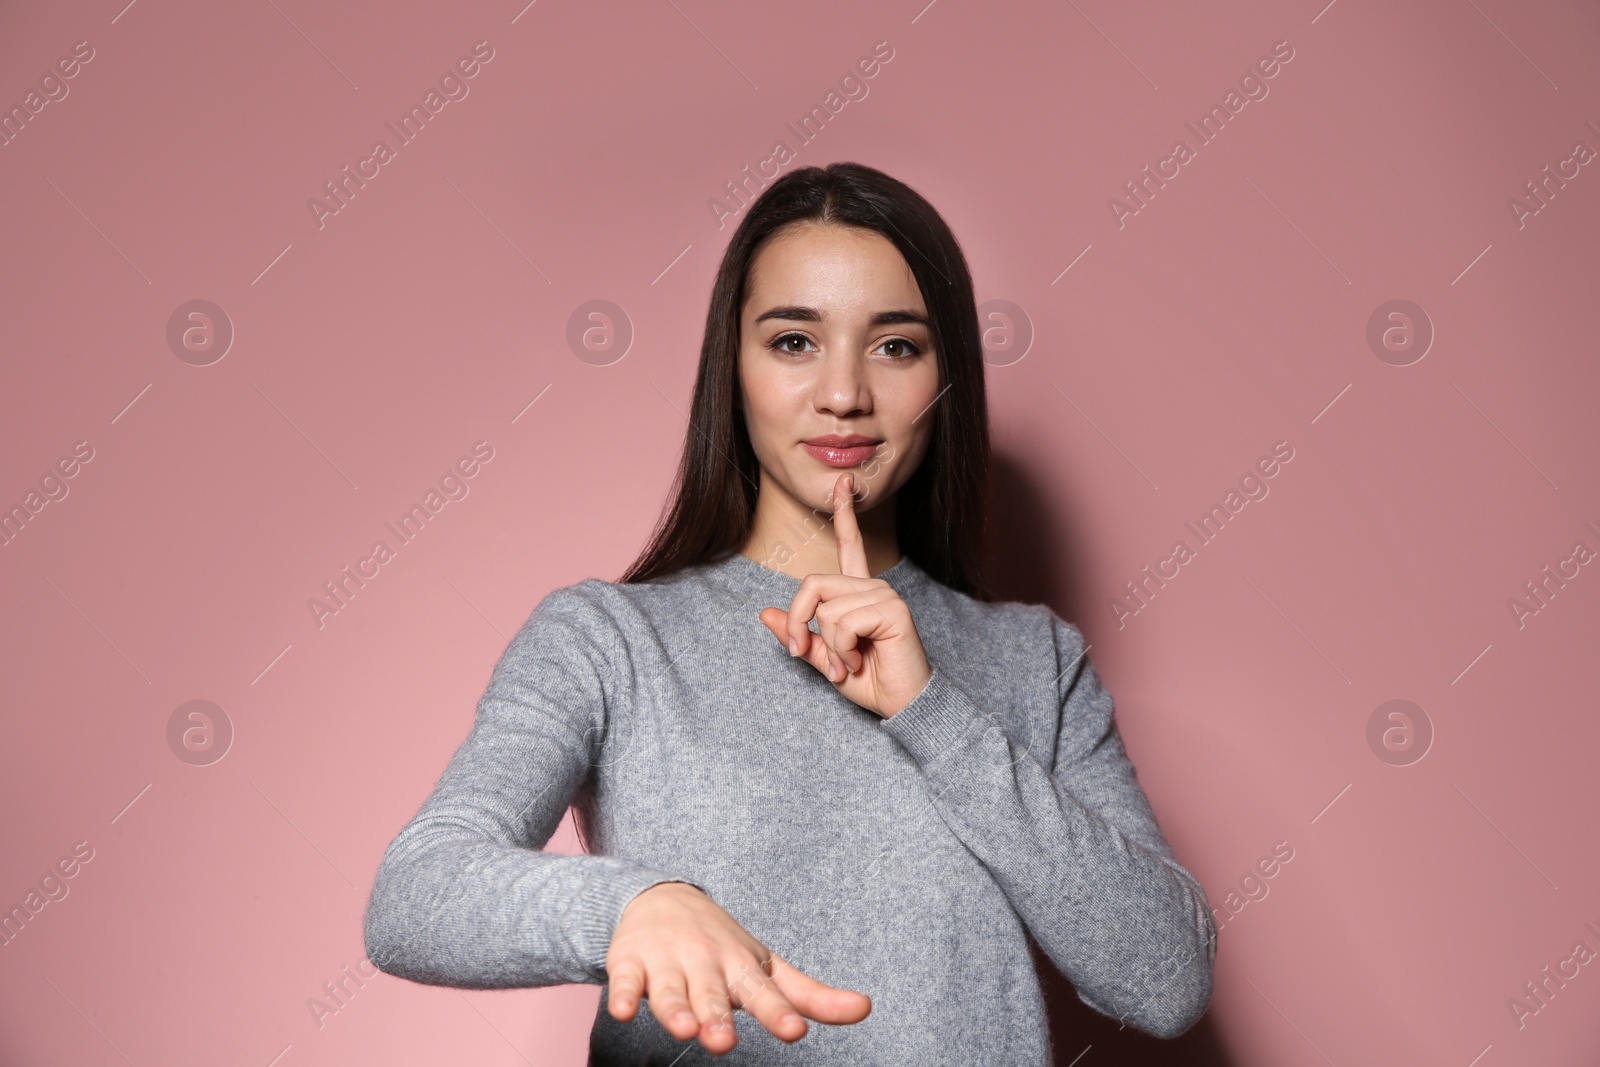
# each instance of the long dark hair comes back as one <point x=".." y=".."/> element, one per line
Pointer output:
<point x="939" y="511"/>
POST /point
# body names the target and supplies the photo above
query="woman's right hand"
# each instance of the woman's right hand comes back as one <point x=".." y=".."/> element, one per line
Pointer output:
<point x="675" y="947"/>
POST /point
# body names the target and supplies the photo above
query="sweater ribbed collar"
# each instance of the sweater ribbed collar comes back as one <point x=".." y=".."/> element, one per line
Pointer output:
<point x="778" y="588"/>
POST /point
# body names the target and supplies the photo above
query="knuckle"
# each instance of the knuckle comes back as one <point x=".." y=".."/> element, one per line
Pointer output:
<point x="701" y="950"/>
<point x="667" y="986"/>
<point x="741" y="985"/>
<point x="750" y="978"/>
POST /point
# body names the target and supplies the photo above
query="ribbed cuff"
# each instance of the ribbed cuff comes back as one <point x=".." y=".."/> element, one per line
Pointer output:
<point x="598" y="909"/>
<point x="936" y="721"/>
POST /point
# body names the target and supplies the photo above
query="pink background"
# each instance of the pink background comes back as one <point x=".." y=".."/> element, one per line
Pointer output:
<point x="371" y="353"/>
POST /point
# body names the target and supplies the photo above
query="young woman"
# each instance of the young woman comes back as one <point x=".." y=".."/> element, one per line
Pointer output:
<point x="820" y="772"/>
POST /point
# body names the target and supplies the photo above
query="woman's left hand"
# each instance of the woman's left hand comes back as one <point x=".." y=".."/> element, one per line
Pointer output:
<point x="868" y="646"/>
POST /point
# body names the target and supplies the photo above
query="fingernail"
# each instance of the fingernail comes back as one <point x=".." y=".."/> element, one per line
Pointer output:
<point x="794" y="647"/>
<point x="685" y="1017"/>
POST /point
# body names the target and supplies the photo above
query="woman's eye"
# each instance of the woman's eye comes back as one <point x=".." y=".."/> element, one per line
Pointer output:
<point x="907" y="348"/>
<point x="782" y="341"/>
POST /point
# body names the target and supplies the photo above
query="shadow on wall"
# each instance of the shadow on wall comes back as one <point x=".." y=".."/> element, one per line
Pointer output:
<point x="1024" y="551"/>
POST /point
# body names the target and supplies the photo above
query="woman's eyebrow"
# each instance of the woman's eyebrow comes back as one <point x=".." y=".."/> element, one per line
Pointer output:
<point x="804" y="314"/>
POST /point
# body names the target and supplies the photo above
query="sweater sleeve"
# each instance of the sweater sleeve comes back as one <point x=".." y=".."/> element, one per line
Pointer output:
<point x="464" y="896"/>
<point x="1074" y="846"/>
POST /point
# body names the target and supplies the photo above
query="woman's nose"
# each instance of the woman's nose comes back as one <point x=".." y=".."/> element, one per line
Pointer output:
<point x="842" y="386"/>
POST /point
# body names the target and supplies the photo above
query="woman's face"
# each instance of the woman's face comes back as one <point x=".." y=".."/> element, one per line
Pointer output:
<point x="834" y="341"/>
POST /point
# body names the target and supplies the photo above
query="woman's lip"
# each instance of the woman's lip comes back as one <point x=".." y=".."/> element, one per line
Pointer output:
<point x="840" y="457"/>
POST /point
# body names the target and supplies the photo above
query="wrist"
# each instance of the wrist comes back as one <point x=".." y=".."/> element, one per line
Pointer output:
<point x="917" y="692"/>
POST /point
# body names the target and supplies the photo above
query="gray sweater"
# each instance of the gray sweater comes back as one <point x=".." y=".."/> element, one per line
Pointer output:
<point x="905" y="858"/>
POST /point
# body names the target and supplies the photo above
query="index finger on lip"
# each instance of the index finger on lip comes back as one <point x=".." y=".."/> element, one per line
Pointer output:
<point x="847" y="534"/>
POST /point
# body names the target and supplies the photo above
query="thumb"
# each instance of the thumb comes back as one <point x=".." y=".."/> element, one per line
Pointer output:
<point x="776" y="619"/>
<point x="817" y="1000"/>
<point x="815" y="651"/>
